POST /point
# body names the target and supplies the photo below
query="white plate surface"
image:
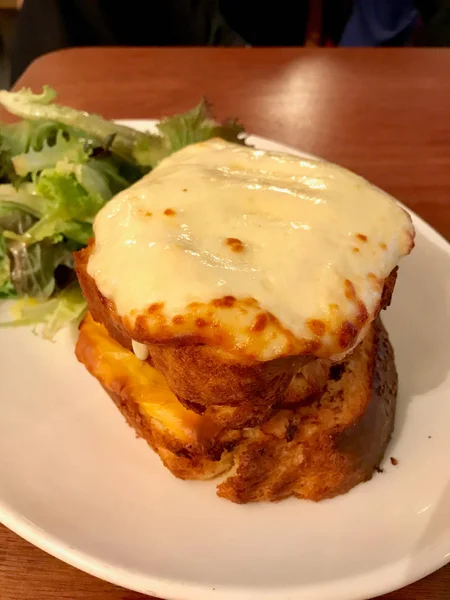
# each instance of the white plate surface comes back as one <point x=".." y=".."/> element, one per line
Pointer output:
<point x="76" y="482"/>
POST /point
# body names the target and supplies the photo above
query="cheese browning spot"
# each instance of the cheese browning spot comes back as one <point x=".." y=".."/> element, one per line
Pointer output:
<point x="356" y="250"/>
<point x="361" y="237"/>
<point x="363" y="315"/>
<point x="226" y="301"/>
<point x="383" y="246"/>
<point x="169" y="212"/>
<point x="235" y="244"/>
<point x="334" y="307"/>
<point x="201" y="322"/>
<point x="317" y="326"/>
<point x="311" y="346"/>
<point x="260" y="322"/>
<point x="155" y="307"/>
<point x="349" y="290"/>
<point x="178" y="320"/>
<point x="375" y="281"/>
<point x="347" y="334"/>
<point x="144" y="213"/>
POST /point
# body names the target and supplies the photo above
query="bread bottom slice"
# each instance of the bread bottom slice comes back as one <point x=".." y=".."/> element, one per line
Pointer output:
<point x="317" y="450"/>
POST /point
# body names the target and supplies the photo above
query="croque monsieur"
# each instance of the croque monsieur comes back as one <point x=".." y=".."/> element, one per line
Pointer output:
<point x="234" y="297"/>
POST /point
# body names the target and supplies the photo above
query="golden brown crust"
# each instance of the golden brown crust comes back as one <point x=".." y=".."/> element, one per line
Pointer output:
<point x="388" y="289"/>
<point x="200" y="375"/>
<point x="328" y="447"/>
<point x="102" y="309"/>
<point x="185" y="462"/>
<point x="315" y="450"/>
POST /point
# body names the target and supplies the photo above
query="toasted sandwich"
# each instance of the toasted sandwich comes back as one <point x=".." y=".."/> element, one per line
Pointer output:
<point x="237" y="280"/>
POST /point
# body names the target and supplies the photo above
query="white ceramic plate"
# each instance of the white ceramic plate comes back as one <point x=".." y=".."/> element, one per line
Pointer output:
<point x="76" y="482"/>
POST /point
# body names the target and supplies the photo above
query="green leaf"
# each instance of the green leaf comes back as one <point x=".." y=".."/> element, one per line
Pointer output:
<point x="94" y="182"/>
<point x="23" y="198"/>
<point x="31" y="106"/>
<point x="19" y="138"/>
<point x="52" y="315"/>
<point x="146" y="149"/>
<point x="15" y="218"/>
<point x="77" y="232"/>
<point x="66" y="147"/>
<point x="181" y="130"/>
<point x="70" y="309"/>
<point x="6" y="286"/>
<point x="71" y="207"/>
<point x="117" y="174"/>
<point x="33" y="267"/>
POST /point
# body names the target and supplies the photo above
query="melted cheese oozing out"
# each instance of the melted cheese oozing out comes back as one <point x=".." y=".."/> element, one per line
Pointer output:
<point x="218" y="219"/>
<point x="120" y="371"/>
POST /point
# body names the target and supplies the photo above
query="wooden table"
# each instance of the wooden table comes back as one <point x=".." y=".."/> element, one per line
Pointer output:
<point x="383" y="113"/>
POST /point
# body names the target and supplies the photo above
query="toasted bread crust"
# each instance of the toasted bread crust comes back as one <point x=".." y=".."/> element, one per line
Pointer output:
<point x="211" y="374"/>
<point x="316" y="450"/>
<point x="185" y="462"/>
<point x="328" y="447"/>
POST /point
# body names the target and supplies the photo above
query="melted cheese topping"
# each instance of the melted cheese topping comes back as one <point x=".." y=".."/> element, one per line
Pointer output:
<point x="309" y="241"/>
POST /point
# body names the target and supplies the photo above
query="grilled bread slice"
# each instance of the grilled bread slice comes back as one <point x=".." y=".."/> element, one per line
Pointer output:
<point x="315" y="450"/>
<point x="325" y="448"/>
<point x="243" y="393"/>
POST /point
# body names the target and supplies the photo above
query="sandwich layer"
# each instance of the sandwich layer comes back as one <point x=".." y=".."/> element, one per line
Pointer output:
<point x="316" y="450"/>
<point x="150" y="406"/>
<point x="243" y="393"/>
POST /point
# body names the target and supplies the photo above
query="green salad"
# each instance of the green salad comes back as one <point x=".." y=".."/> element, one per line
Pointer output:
<point x="58" y="167"/>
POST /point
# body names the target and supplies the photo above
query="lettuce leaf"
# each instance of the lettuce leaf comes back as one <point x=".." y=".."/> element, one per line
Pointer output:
<point x="142" y="148"/>
<point x="196" y="125"/>
<point x="31" y="106"/>
<point x="28" y="270"/>
<point x="65" y="147"/>
<point x="74" y="193"/>
<point x="19" y="138"/>
<point x="50" y="316"/>
<point x="6" y="285"/>
<point x="33" y="267"/>
<point x="23" y="198"/>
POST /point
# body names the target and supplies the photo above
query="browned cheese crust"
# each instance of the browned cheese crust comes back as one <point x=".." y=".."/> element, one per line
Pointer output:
<point x="316" y="450"/>
<point x="243" y="393"/>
